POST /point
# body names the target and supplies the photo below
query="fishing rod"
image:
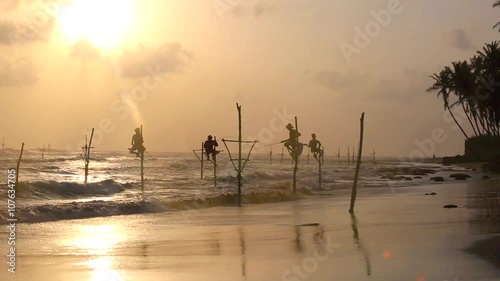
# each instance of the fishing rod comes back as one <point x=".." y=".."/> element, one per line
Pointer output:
<point x="268" y="145"/>
<point x="149" y="154"/>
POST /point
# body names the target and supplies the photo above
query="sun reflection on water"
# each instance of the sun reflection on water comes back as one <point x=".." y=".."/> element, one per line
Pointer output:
<point x="102" y="270"/>
<point x="99" y="239"/>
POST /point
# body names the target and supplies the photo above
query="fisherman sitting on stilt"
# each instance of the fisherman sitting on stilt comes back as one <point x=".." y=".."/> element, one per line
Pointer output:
<point x="315" y="146"/>
<point x="137" y="141"/>
<point x="210" y="146"/>
<point x="294" y="147"/>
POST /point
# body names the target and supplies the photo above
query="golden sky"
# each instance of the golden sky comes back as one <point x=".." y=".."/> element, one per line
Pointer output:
<point x="178" y="67"/>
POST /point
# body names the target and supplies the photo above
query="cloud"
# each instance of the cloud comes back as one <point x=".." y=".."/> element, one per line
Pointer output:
<point x="263" y="7"/>
<point x="21" y="73"/>
<point x="85" y="51"/>
<point x="168" y="58"/>
<point x="339" y="81"/>
<point x="410" y="85"/>
<point x="402" y="88"/>
<point x="15" y="34"/>
<point x="460" y="40"/>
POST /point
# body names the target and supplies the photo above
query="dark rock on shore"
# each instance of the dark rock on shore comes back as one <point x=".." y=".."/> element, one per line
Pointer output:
<point x="460" y="176"/>
<point x="437" y="179"/>
<point x="450" y="206"/>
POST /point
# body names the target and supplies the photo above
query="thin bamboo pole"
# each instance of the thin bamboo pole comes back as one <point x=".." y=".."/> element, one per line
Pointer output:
<point x="142" y="161"/>
<point x="215" y="166"/>
<point x="348" y="157"/>
<point x="319" y="167"/>
<point x="295" y="156"/>
<point x="87" y="155"/>
<point x="18" y="164"/>
<point x="202" y="158"/>
<point x="270" y="155"/>
<point x="356" y="174"/>
<point x="239" y="154"/>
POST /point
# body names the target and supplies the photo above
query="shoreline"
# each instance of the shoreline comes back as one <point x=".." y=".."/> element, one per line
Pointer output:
<point x="400" y="233"/>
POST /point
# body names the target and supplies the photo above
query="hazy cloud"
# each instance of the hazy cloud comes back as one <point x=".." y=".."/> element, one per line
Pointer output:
<point x="15" y="34"/>
<point x="85" y="51"/>
<point x="21" y="73"/>
<point x="339" y="81"/>
<point x="263" y="7"/>
<point x="460" y="40"/>
<point x="168" y="58"/>
<point x="404" y="88"/>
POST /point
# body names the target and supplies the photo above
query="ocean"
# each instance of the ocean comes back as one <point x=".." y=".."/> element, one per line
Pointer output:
<point x="53" y="188"/>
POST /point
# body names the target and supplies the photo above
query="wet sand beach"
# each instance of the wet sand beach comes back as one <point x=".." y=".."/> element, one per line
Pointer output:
<point x="395" y="234"/>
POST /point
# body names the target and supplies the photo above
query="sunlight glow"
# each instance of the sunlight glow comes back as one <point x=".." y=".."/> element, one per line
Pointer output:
<point x="104" y="22"/>
<point x="102" y="270"/>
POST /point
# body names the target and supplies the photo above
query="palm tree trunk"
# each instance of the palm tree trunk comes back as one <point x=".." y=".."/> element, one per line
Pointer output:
<point x="456" y="122"/>
<point x="468" y="117"/>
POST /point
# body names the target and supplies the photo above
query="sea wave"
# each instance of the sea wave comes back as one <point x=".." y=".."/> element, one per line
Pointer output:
<point x="103" y="208"/>
<point x="54" y="189"/>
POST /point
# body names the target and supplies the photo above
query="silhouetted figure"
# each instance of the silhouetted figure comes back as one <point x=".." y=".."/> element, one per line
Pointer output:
<point x="137" y="141"/>
<point x="210" y="146"/>
<point x="291" y="143"/>
<point x="315" y="146"/>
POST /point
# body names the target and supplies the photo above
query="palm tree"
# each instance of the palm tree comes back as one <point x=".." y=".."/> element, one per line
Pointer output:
<point x="497" y="4"/>
<point x="490" y="56"/>
<point x="443" y="84"/>
<point x="463" y="86"/>
<point x="475" y="86"/>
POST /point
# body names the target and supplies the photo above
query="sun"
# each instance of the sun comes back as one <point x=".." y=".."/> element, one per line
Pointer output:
<point x="105" y="23"/>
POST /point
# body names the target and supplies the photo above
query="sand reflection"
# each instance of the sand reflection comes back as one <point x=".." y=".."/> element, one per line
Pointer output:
<point x="99" y="242"/>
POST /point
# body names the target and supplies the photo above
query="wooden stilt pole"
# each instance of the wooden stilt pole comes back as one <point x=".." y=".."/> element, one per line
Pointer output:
<point x="319" y="164"/>
<point x="338" y="155"/>
<point x="43" y="151"/>
<point x="3" y="145"/>
<point x="356" y="174"/>
<point x="348" y="157"/>
<point x="202" y="158"/>
<point x="215" y="166"/>
<point x="239" y="154"/>
<point x="18" y="164"/>
<point x="282" y="155"/>
<point x="308" y="157"/>
<point x="353" y="155"/>
<point x="271" y="155"/>
<point x="87" y="155"/>
<point x="295" y="157"/>
<point x="142" y="162"/>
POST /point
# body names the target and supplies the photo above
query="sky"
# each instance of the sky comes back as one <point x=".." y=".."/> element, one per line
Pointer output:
<point x="178" y="67"/>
